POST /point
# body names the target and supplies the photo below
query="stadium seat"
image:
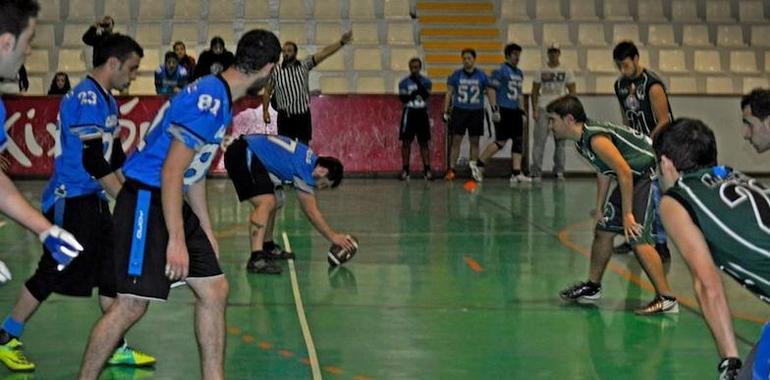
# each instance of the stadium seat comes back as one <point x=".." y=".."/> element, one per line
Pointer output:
<point x="548" y="10"/>
<point x="580" y="85"/>
<point x="396" y="9"/>
<point x="750" y="83"/>
<point x="569" y="59"/>
<point x="143" y="85"/>
<point x="328" y="32"/>
<point x="531" y="60"/>
<point x="71" y="61"/>
<point x="556" y="33"/>
<point x="149" y="34"/>
<point x="37" y="62"/>
<point x="73" y="34"/>
<point x="44" y="36"/>
<point x="719" y="85"/>
<point x="399" y="58"/>
<point x="224" y="30"/>
<point x="684" y="10"/>
<point x="152" y="10"/>
<point x="591" y="35"/>
<point x="400" y="34"/>
<point x="187" y="33"/>
<point x="335" y="62"/>
<point x="153" y="58"/>
<point x="617" y="10"/>
<point x="751" y="11"/>
<point x="600" y="61"/>
<point x="661" y="35"/>
<point x="760" y="35"/>
<point x="626" y="32"/>
<point x="672" y="61"/>
<point x="361" y="10"/>
<point x="605" y="84"/>
<point x="187" y="10"/>
<point x="370" y="85"/>
<point x="82" y="10"/>
<point x="718" y="10"/>
<point x="327" y="9"/>
<point x="767" y="61"/>
<point x="294" y="32"/>
<point x="730" y="35"/>
<point x="222" y="10"/>
<point x="257" y="9"/>
<point x="743" y="62"/>
<point x="367" y="59"/>
<point x="334" y="85"/>
<point x="522" y="34"/>
<point x="682" y="85"/>
<point x="118" y="9"/>
<point x="582" y="10"/>
<point x="366" y="33"/>
<point x="695" y="35"/>
<point x="255" y="25"/>
<point x="50" y="12"/>
<point x="514" y="10"/>
<point x="650" y="10"/>
<point x="37" y="85"/>
<point x="291" y="9"/>
<point x="707" y="61"/>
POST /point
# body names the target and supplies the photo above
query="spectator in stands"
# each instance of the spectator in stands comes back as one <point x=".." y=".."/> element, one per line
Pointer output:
<point x="60" y="85"/>
<point x="98" y="31"/>
<point x="23" y="80"/>
<point x="215" y="60"/>
<point x="170" y="77"/>
<point x="550" y="82"/>
<point x="185" y="60"/>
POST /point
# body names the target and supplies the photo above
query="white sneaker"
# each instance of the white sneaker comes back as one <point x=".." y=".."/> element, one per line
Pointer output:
<point x="476" y="172"/>
<point x="520" y="178"/>
<point x="560" y="176"/>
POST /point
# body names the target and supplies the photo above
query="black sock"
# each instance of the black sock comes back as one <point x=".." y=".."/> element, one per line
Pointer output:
<point x="5" y="337"/>
<point x="268" y="246"/>
<point x="256" y="255"/>
<point x="405" y="168"/>
<point x="516" y="172"/>
<point x="480" y="163"/>
<point x="594" y="284"/>
<point x="426" y="168"/>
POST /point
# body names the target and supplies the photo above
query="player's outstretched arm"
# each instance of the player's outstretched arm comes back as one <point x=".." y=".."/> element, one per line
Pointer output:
<point x="196" y="195"/>
<point x="707" y="282"/>
<point x="177" y="161"/>
<point x="13" y="204"/>
<point x="607" y="152"/>
<point x="332" y="48"/>
<point x="310" y="208"/>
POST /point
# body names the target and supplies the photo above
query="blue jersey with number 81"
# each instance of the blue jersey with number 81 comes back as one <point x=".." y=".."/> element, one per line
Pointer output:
<point x="468" y="89"/>
<point x="198" y="116"/>
<point x="507" y="82"/>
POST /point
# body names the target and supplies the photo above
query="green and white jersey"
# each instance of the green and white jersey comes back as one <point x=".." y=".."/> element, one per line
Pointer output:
<point x="733" y="211"/>
<point x="635" y="147"/>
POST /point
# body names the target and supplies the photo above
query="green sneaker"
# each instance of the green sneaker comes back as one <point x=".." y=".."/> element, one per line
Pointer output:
<point x="128" y="356"/>
<point x="12" y="355"/>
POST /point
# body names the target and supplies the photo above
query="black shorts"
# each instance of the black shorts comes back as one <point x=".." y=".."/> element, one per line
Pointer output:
<point x="467" y="120"/>
<point x="246" y="171"/>
<point x="511" y="126"/>
<point x="297" y="127"/>
<point x="643" y="209"/>
<point x="141" y="238"/>
<point x="88" y="219"/>
<point x="414" y="122"/>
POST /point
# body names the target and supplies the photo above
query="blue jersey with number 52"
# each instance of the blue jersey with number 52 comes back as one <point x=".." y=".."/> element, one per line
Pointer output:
<point x="507" y="82"/>
<point x="468" y="89"/>
<point x="198" y="116"/>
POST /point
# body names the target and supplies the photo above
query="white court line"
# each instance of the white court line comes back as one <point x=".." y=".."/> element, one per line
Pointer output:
<point x="313" y="356"/>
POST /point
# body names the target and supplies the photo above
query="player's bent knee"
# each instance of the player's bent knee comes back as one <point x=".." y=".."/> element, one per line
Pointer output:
<point x="131" y="308"/>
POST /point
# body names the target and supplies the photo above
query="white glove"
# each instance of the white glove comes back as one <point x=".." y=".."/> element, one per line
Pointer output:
<point x="62" y="245"/>
<point x="496" y="114"/>
<point x="5" y="274"/>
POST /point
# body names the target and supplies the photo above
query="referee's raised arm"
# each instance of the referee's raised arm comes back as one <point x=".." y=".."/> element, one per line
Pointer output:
<point x="346" y="38"/>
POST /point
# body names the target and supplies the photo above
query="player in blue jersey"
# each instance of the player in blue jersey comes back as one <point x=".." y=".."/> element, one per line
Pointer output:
<point x="87" y="163"/>
<point x="259" y="165"/>
<point x="414" y="91"/>
<point x="509" y="121"/>
<point x="465" y="92"/>
<point x="159" y="237"/>
<point x="170" y="77"/>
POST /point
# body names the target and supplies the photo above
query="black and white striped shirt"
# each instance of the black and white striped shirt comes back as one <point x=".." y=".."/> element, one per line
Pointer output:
<point x="290" y="86"/>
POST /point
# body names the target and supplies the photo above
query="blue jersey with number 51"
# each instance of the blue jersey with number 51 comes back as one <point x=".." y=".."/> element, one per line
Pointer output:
<point x="468" y="89"/>
<point x="507" y="82"/>
<point x="198" y="116"/>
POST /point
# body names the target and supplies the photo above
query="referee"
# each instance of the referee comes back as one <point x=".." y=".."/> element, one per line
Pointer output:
<point x="289" y="82"/>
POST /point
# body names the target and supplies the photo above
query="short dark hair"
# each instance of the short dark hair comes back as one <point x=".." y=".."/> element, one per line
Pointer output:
<point x="177" y="43"/>
<point x="334" y="166"/>
<point x="217" y="41"/>
<point x="469" y="51"/>
<point x="623" y="50"/>
<point x="759" y="100"/>
<point x="170" y="55"/>
<point x="116" y="45"/>
<point x="296" y="49"/>
<point x="688" y="143"/>
<point x="415" y="59"/>
<point x="256" y="49"/>
<point x="510" y="48"/>
<point x="15" y="15"/>
<point x="568" y="105"/>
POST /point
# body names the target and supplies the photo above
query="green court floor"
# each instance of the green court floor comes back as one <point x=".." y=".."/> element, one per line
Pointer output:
<point x="447" y="284"/>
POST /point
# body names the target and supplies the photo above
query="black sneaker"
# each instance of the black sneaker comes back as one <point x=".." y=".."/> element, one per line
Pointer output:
<point x="277" y="253"/>
<point x="404" y="175"/>
<point x="263" y="265"/>
<point x="729" y="368"/>
<point x="582" y="292"/>
<point x="663" y="252"/>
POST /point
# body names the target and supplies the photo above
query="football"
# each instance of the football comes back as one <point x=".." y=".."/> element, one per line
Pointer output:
<point x="338" y="256"/>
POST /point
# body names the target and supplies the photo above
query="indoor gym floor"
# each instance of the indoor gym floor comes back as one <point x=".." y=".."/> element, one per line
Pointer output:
<point x="447" y="284"/>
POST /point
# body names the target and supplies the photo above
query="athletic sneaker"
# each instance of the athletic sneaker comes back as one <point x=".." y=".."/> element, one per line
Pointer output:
<point x="277" y="253"/>
<point x="560" y="176"/>
<point x="520" y="178"/>
<point x="404" y="175"/>
<point x="428" y="175"/>
<point x="12" y="355"/>
<point x="450" y="175"/>
<point x="582" y="292"/>
<point x="129" y="356"/>
<point x="262" y="265"/>
<point x="659" y="305"/>
<point x="476" y="172"/>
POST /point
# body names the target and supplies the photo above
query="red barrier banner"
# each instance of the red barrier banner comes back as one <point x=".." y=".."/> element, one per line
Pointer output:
<point x="361" y="130"/>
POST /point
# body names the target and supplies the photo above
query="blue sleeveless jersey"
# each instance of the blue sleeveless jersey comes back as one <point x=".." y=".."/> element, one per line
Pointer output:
<point x="198" y="116"/>
<point x="507" y="81"/>
<point x="287" y="161"/>
<point x="468" y="89"/>
<point x="87" y="112"/>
